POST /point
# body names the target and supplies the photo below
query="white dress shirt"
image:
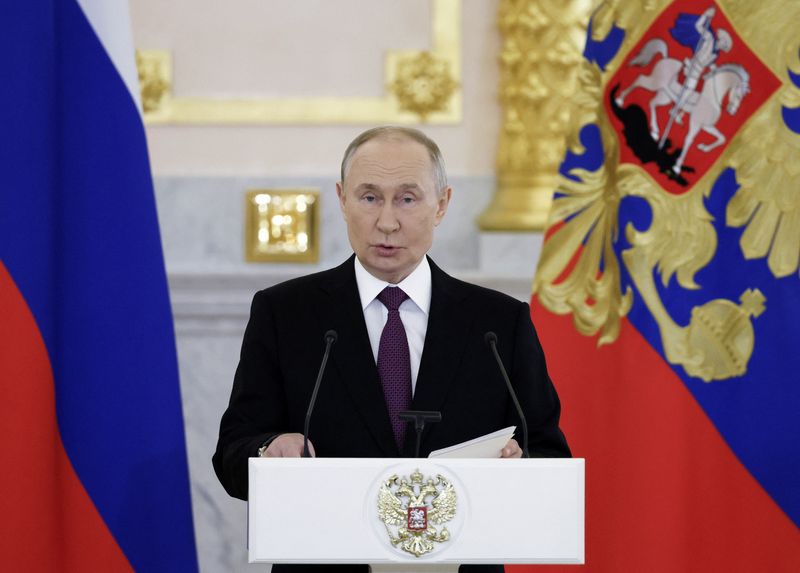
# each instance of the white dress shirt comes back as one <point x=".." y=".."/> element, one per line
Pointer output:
<point x="413" y="311"/>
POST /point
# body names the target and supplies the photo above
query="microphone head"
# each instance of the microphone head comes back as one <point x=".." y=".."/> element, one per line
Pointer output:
<point x="490" y="338"/>
<point x="331" y="336"/>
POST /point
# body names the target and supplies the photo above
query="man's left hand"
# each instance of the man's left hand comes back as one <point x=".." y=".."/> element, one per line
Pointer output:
<point x="511" y="450"/>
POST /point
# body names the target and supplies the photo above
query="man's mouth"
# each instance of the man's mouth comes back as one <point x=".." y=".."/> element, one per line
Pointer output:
<point x="385" y="249"/>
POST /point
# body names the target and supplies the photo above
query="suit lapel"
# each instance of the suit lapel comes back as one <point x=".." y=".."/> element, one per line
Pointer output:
<point x="352" y="355"/>
<point x="449" y="325"/>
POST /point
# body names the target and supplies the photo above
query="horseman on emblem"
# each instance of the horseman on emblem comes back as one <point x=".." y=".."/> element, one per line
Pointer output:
<point x="704" y="107"/>
<point x="695" y="33"/>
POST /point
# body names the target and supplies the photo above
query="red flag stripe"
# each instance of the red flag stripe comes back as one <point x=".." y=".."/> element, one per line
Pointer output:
<point x="50" y="523"/>
<point x="664" y="492"/>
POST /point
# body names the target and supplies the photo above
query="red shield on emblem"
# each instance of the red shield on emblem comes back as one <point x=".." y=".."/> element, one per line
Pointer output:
<point x="683" y="92"/>
<point x="417" y="518"/>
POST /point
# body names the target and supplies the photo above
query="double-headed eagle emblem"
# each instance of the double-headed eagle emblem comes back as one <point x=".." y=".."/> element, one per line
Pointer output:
<point x="589" y="247"/>
<point x="410" y="507"/>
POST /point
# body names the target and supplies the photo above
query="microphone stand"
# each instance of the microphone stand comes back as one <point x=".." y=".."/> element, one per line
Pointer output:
<point x="330" y="338"/>
<point x="419" y="417"/>
<point x="491" y="340"/>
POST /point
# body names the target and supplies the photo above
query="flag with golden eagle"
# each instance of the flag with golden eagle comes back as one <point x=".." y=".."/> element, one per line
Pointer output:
<point x="668" y="296"/>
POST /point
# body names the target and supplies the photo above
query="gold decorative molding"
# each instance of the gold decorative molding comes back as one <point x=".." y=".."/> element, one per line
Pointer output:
<point x="282" y="225"/>
<point x="410" y="100"/>
<point x="541" y="55"/>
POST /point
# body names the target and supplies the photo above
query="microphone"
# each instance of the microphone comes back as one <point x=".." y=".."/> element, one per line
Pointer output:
<point x="330" y="338"/>
<point x="491" y="340"/>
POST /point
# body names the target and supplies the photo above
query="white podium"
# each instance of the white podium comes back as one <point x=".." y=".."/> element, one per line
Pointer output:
<point x="325" y="510"/>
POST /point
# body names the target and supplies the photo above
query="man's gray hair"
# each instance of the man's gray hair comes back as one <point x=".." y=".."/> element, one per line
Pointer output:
<point x="396" y="132"/>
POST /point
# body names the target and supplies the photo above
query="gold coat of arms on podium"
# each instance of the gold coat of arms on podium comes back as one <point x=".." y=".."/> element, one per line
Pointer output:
<point x="410" y="508"/>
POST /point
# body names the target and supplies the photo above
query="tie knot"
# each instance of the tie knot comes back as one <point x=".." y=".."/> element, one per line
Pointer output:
<point x="392" y="297"/>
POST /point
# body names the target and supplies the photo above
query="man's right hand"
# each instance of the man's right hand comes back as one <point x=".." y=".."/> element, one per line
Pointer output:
<point x="288" y="446"/>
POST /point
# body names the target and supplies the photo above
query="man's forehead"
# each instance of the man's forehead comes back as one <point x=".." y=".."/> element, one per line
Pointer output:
<point x="400" y="159"/>
<point x="391" y="146"/>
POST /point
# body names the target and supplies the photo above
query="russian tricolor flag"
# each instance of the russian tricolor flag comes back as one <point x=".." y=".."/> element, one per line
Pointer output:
<point x="94" y="470"/>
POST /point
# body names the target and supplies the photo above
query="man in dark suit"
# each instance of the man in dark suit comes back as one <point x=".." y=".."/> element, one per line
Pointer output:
<point x="409" y="335"/>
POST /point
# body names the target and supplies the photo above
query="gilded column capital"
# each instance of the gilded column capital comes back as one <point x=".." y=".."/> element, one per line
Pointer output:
<point x="541" y="54"/>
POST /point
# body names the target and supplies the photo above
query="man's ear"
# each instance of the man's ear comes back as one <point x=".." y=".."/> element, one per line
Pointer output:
<point x="443" y="202"/>
<point x="341" y="195"/>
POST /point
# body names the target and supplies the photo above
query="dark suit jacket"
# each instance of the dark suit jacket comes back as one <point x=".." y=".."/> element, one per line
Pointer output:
<point x="284" y="342"/>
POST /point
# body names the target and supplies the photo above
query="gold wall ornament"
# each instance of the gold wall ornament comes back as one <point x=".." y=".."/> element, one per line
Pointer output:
<point x="410" y="506"/>
<point x="423" y="84"/>
<point x="579" y="271"/>
<point x="155" y="70"/>
<point x="446" y="49"/>
<point x="539" y="62"/>
<point x="282" y="225"/>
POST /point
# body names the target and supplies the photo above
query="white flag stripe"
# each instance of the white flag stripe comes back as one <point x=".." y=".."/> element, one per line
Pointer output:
<point x="111" y="21"/>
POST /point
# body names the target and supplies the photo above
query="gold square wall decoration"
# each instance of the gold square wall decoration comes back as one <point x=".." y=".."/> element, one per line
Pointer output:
<point x="282" y="226"/>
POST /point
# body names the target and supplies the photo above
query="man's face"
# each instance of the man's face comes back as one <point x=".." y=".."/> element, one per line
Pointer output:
<point x="391" y="206"/>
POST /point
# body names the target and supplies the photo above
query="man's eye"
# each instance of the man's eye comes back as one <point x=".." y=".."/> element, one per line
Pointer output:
<point x="369" y="198"/>
<point x="408" y="200"/>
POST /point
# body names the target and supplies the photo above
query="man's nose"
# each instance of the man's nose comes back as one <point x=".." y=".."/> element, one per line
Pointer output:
<point x="387" y="220"/>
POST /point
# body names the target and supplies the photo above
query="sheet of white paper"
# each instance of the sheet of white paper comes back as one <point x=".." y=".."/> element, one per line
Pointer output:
<point x="487" y="446"/>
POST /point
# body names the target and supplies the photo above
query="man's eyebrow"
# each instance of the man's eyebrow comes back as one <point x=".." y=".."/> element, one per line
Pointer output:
<point x="409" y="187"/>
<point x="361" y="187"/>
<point x="367" y="187"/>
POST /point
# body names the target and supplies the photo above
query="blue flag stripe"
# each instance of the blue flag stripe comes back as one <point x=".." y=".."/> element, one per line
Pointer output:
<point x="79" y="234"/>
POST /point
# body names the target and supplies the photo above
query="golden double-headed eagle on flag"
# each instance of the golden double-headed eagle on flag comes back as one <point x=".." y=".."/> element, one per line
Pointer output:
<point x="694" y="90"/>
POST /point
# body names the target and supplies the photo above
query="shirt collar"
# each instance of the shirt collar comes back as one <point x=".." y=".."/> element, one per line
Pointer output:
<point x="417" y="285"/>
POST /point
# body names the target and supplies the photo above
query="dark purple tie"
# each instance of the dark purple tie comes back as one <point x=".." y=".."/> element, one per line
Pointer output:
<point x="394" y="364"/>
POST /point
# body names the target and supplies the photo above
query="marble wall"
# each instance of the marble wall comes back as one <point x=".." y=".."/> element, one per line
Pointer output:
<point x="202" y="220"/>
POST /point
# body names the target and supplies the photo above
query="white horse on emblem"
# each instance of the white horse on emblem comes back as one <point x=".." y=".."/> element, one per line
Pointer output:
<point x="704" y="108"/>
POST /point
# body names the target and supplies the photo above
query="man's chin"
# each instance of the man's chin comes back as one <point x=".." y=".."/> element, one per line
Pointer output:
<point x="388" y="268"/>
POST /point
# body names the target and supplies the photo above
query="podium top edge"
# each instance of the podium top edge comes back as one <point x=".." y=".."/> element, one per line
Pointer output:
<point x="428" y="462"/>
